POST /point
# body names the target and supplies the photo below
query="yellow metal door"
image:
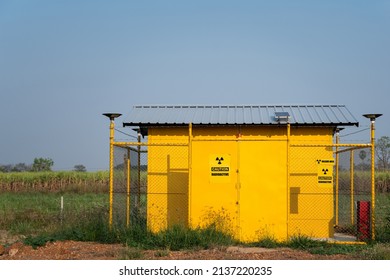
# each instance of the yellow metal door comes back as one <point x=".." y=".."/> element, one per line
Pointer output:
<point x="240" y="186"/>
<point x="213" y="191"/>
<point x="263" y="190"/>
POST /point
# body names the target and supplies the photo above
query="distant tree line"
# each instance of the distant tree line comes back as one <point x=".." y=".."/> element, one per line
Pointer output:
<point x="39" y="165"/>
<point x="20" y="167"/>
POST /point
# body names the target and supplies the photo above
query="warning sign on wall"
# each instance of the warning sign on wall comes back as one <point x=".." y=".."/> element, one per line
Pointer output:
<point x="325" y="172"/>
<point x="219" y="168"/>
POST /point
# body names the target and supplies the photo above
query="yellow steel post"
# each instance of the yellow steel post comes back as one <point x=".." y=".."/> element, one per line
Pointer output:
<point x="337" y="178"/>
<point x="139" y="171"/>
<point x="288" y="176"/>
<point x="189" y="172"/>
<point x="372" y="118"/>
<point x="112" y="117"/>
<point x="238" y="231"/>
<point x="373" y="179"/>
<point x="352" y="169"/>
<point x="128" y="178"/>
<point x="112" y="126"/>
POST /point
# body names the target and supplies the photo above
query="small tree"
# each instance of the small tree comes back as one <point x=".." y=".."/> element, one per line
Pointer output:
<point x="382" y="149"/>
<point x="80" y="168"/>
<point x="42" y="164"/>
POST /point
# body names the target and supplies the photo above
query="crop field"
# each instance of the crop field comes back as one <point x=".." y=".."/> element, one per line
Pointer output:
<point x="97" y="182"/>
<point x="62" y="181"/>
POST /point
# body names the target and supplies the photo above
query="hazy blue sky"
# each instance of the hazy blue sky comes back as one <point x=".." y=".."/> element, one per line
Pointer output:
<point x="64" y="63"/>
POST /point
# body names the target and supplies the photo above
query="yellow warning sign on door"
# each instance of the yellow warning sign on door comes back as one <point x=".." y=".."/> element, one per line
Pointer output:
<point x="325" y="172"/>
<point x="219" y="168"/>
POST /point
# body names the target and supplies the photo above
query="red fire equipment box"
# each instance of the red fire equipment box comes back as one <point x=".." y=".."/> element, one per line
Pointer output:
<point x="363" y="220"/>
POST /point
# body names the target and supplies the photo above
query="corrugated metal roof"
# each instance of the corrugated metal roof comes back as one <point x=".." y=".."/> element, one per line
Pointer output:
<point x="156" y="115"/>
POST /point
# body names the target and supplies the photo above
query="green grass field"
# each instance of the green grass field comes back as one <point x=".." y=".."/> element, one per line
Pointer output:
<point x="31" y="213"/>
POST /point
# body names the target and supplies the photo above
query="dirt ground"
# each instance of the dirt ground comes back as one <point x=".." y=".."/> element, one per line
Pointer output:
<point x="11" y="248"/>
<point x="73" y="250"/>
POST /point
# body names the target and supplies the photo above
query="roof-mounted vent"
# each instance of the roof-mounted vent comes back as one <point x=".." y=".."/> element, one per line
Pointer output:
<point x="282" y="117"/>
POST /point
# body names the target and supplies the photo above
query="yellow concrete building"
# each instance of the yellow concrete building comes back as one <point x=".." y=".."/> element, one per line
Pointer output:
<point x="252" y="171"/>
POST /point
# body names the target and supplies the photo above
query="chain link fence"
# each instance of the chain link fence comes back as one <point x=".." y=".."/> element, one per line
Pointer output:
<point x="330" y="192"/>
<point x="129" y="186"/>
<point x="353" y="201"/>
<point x="311" y="191"/>
<point x="151" y="186"/>
<point x="329" y="189"/>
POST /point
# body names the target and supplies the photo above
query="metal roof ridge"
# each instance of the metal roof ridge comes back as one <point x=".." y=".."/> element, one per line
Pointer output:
<point x="232" y="105"/>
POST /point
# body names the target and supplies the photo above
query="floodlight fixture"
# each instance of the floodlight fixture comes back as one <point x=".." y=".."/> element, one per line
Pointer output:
<point x="112" y="116"/>
<point x="372" y="117"/>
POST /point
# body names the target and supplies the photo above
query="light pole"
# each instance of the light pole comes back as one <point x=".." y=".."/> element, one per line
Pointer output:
<point x="372" y="118"/>
<point x="112" y="117"/>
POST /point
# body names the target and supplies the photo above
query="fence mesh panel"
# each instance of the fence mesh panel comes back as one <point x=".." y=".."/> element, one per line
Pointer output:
<point x="311" y="191"/>
<point x="167" y="186"/>
<point x="129" y="189"/>
<point x="329" y="189"/>
<point x="150" y="186"/>
<point x="353" y="189"/>
<point x="330" y="192"/>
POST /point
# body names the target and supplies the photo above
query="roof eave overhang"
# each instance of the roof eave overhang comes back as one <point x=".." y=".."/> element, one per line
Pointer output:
<point x="141" y="124"/>
<point x="144" y="126"/>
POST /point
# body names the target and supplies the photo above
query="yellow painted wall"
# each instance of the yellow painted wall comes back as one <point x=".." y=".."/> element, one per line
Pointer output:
<point x="251" y="200"/>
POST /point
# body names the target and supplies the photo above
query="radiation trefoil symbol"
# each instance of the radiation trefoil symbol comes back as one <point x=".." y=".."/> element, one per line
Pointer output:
<point x="219" y="159"/>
